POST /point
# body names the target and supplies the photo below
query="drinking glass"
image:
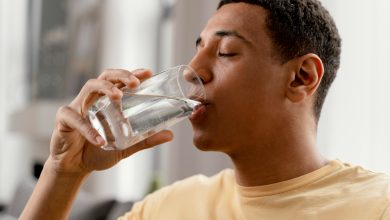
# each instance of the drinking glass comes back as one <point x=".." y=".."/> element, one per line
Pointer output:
<point x="159" y="102"/>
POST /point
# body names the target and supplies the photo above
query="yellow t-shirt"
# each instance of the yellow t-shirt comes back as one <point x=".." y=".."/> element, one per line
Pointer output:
<point x="335" y="191"/>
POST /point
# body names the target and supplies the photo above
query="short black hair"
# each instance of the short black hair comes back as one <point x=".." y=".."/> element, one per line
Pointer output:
<point x="299" y="27"/>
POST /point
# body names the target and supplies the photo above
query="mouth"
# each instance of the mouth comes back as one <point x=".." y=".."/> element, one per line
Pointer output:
<point x="199" y="110"/>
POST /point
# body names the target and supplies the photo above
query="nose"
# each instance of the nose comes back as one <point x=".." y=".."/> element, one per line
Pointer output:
<point x="201" y="63"/>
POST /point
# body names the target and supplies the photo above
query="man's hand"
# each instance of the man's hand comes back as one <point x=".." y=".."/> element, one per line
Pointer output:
<point x="75" y="147"/>
<point x="75" y="144"/>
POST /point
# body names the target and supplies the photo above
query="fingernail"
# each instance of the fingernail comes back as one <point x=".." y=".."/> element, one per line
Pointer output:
<point x="133" y="84"/>
<point x="99" y="140"/>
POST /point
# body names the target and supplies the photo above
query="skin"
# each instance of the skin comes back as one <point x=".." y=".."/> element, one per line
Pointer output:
<point x="258" y="111"/>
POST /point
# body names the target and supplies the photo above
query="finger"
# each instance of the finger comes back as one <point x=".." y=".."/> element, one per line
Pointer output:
<point x="120" y="77"/>
<point x="91" y="91"/>
<point x="142" y="74"/>
<point x="68" y="121"/>
<point x="156" y="139"/>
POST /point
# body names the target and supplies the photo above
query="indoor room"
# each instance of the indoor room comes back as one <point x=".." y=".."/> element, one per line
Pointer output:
<point x="49" y="49"/>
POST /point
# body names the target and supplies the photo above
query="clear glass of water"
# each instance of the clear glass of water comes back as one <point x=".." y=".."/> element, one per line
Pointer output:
<point x="159" y="102"/>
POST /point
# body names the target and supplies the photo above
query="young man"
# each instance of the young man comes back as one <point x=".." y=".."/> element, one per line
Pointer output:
<point x="266" y="67"/>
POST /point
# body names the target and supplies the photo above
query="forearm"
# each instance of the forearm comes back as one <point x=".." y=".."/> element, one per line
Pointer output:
<point x="53" y="195"/>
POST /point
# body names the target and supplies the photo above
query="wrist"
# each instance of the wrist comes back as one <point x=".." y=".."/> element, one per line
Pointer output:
<point x="54" y="168"/>
<point x="54" y="193"/>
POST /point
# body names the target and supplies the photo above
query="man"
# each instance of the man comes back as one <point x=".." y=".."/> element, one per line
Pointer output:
<point x="266" y="67"/>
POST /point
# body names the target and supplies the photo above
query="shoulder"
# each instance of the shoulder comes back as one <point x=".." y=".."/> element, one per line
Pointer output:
<point x="186" y="193"/>
<point x="355" y="180"/>
<point x="357" y="188"/>
<point x="359" y="177"/>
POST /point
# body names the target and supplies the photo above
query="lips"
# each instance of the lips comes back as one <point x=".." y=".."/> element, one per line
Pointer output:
<point x="199" y="112"/>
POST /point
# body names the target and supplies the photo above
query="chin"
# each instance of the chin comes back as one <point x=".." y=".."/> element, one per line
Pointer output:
<point x="209" y="138"/>
<point x="203" y="142"/>
<point x="206" y="141"/>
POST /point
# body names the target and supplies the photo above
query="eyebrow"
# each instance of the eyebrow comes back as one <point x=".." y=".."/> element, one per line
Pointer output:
<point x="225" y="33"/>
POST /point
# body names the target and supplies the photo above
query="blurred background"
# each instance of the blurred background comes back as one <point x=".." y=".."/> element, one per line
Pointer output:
<point x="49" y="48"/>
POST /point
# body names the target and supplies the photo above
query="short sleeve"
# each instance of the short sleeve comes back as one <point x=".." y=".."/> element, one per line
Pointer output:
<point x="145" y="209"/>
<point x="136" y="212"/>
<point x="149" y="207"/>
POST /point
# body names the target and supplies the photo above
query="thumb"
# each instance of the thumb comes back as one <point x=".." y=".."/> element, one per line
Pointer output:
<point x="156" y="139"/>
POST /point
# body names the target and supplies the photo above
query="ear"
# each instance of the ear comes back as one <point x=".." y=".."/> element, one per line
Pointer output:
<point x="305" y="77"/>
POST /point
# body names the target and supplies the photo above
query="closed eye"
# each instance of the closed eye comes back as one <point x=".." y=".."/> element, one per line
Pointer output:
<point x="226" y="54"/>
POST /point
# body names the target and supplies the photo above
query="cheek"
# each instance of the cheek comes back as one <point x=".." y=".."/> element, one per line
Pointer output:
<point x="234" y="90"/>
<point x="244" y="103"/>
<point x="234" y="107"/>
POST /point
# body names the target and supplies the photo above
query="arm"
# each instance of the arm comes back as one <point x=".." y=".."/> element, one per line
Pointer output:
<point x="53" y="196"/>
<point x="75" y="148"/>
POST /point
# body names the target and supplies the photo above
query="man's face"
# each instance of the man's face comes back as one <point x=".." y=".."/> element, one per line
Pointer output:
<point x="243" y="80"/>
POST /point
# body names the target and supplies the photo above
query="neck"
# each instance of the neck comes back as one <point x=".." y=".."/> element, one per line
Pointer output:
<point x="285" y="157"/>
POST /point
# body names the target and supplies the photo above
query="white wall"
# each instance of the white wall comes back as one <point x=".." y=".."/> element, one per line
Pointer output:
<point x="355" y="125"/>
<point x="14" y="161"/>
